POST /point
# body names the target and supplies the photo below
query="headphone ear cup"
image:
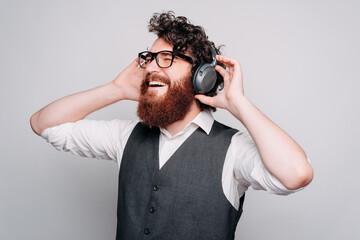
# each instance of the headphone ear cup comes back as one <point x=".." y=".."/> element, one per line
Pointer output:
<point x="204" y="78"/>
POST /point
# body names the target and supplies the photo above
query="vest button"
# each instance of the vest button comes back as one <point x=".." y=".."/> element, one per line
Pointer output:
<point x="146" y="231"/>
<point x="151" y="210"/>
<point x="155" y="188"/>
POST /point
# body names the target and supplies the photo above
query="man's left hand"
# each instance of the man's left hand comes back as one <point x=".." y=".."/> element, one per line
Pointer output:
<point x="233" y="91"/>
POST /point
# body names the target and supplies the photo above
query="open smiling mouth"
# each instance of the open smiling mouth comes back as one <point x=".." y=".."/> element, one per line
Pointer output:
<point x="156" y="84"/>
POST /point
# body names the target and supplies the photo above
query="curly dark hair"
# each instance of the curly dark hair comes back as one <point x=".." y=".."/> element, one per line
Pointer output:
<point x="183" y="35"/>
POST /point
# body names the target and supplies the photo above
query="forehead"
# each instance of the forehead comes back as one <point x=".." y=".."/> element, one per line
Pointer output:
<point x="160" y="44"/>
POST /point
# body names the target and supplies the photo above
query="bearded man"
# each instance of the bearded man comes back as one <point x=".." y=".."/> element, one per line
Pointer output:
<point x="182" y="175"/>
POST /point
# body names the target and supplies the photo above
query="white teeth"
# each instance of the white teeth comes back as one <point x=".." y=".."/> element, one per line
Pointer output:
<point x="156" y="83"/>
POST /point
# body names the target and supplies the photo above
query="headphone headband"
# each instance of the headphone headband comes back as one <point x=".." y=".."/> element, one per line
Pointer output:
<point x="213" y="63"/>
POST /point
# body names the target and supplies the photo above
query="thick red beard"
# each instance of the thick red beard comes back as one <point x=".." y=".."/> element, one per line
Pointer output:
<point x="160" y="111"/>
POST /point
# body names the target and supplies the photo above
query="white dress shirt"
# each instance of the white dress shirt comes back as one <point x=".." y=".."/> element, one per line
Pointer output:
<point x="107" y="139"/>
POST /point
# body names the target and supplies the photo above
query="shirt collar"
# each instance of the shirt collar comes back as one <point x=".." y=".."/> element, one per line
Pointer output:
<point x="204" y="120"/>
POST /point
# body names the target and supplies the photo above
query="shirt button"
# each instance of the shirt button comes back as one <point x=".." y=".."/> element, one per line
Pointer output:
<point x="151" y="210"/>
<point x="146" y="231"/>
<point x="155" y="188"/>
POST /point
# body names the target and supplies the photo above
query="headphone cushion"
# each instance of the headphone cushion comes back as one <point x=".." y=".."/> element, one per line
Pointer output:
<point x="204" y="78"/>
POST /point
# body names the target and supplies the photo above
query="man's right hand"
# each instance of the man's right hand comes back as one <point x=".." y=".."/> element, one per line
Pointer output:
<point x="129" y="81"/>
<point x="74" y="107"/>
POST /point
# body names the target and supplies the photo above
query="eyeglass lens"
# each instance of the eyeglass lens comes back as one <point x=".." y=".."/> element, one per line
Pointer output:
<point x="163" y="59"/>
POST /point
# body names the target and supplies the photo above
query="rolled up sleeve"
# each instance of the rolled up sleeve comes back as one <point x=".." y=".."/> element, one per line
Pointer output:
<point x="249" y="169"/>
<point x="91" y="138"/>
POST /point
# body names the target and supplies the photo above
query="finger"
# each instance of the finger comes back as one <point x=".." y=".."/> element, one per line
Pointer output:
<point x="135" y="63"/>
<point x="233" y="65"/>
<point x="225" y="74"/>
<point x="228" y="65"/>
<point x="228" y="61"/>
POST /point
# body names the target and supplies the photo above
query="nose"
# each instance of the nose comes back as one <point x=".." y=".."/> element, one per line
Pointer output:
<point x="152" y="67"/>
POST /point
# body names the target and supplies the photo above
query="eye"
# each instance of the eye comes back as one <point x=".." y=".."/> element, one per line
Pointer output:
<point x="148" y="59"/>
<point x="165" y="56"/>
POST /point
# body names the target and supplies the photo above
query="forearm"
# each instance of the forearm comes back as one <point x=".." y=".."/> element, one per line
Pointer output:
<point x="280" y="154"/>
<point x="74" y="107"/>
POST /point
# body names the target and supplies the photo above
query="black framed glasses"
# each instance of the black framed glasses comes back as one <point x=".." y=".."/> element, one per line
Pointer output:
<point x="164" y="59"/>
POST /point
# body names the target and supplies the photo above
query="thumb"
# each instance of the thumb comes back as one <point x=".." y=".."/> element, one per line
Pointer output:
<point x="205" y="99"/>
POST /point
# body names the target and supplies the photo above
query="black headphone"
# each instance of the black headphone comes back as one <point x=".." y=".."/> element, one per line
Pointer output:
<point x="204" y="77"/>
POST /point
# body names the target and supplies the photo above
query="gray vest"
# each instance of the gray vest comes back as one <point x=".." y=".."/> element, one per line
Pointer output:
<point x="184" y="200"/>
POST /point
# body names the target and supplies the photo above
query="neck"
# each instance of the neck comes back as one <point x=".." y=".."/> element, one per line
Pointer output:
<point x="178" y="126"/>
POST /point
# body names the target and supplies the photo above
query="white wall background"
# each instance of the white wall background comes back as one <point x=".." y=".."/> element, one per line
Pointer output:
<point x="301" y="68"/>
